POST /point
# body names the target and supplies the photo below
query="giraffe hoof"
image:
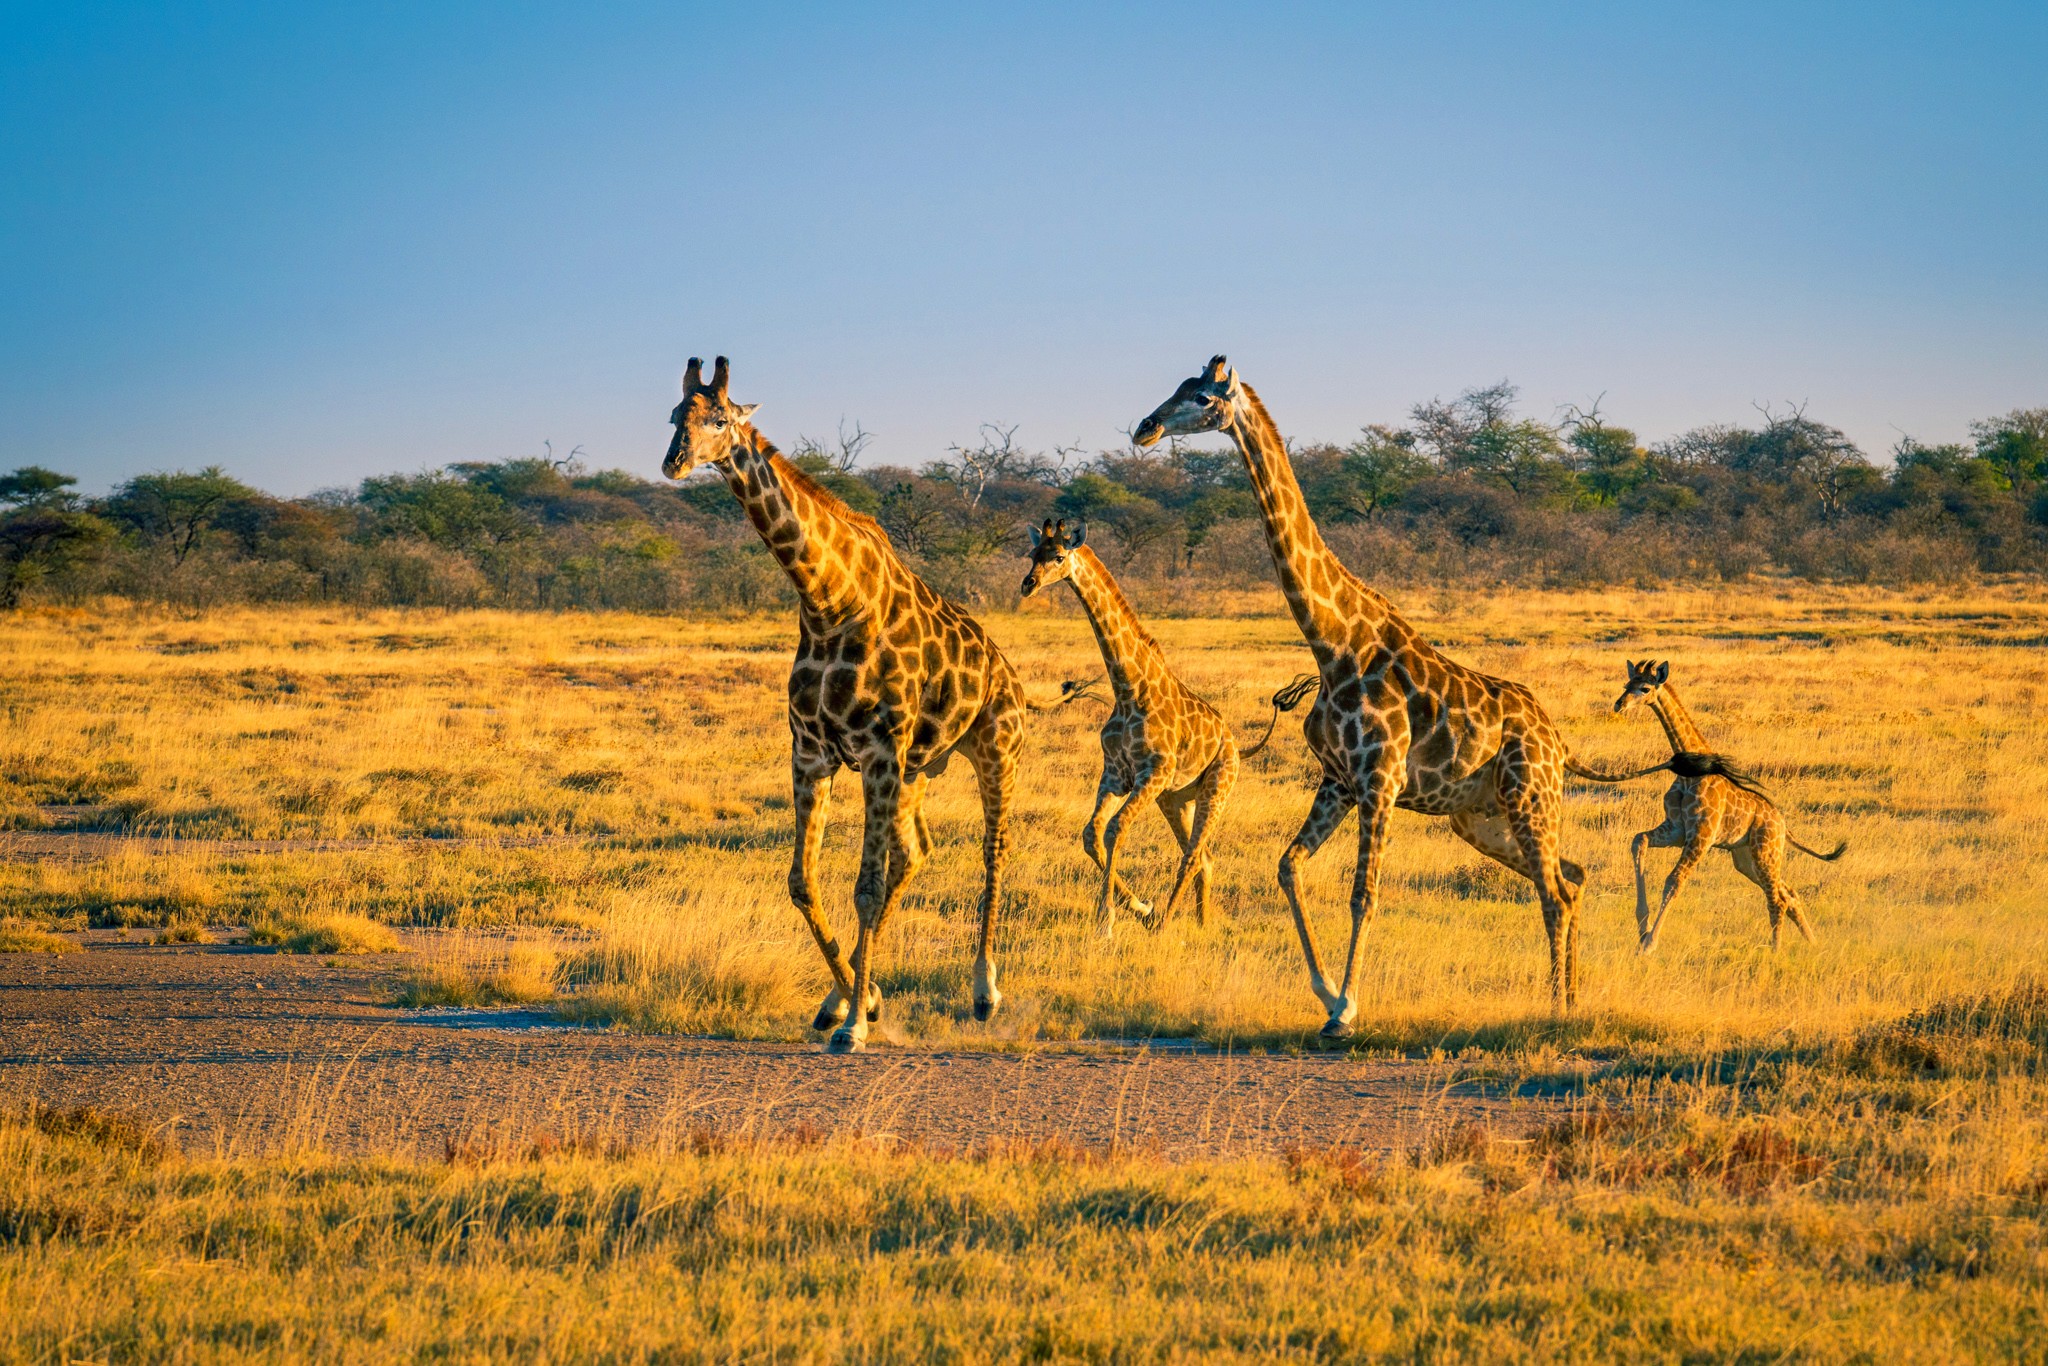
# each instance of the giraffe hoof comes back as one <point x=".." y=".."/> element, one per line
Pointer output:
<point x="1646" y="944"/>
<point x="1337" y="1029"/>
<point x="844" y="1040"/>
<point x="984" y="1009"/>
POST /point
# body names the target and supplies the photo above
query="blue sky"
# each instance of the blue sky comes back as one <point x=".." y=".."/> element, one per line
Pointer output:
<point x="313" y="244"/>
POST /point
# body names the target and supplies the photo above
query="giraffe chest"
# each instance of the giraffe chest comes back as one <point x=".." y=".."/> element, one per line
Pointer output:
<point x="858" y="695"/>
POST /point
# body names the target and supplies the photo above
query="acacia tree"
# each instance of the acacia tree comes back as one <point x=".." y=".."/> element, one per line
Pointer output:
<point x="175" y="510"/>
<point x="1377" y="469"/>
<point x="2016" y="445"/>
<point x="42" y="530"/>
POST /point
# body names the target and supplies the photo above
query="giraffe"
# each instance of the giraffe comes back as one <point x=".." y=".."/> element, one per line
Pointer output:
<point x="890" y="680"/>
<point x="1161" y="743"/>
<point x="1397" y="724"/>
<point x="1712" y="805"/>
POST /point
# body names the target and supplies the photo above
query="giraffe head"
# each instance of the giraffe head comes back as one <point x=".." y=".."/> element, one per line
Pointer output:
<point x="1644" y="680"/>
<point x="1052" y="550"/>
<point x="1205" y="403"/>
<point x="708" y="423"/>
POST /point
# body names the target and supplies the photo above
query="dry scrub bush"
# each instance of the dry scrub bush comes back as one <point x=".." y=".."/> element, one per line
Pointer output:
<point x="32" y="939"/>
<point x="703" y="964"/>
<point x="465" y="971"/>
<point x="332" y="932"/>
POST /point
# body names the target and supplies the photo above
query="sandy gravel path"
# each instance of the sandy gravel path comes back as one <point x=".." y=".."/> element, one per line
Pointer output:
<point x="230" y="1048"/>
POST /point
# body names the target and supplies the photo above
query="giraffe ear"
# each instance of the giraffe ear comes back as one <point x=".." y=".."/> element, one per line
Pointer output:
<point x="1080" y="535"/>
<point x="1037" y="536"/>
<point x="1630" y="665"/>
<point x="693" y="378"/>
<point x="1663" y="672"/>
<point x="745" y="411"/>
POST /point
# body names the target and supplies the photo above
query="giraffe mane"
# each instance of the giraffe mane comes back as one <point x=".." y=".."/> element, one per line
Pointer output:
<point x="786" y="468"/>
<point x="1116" y="594"/>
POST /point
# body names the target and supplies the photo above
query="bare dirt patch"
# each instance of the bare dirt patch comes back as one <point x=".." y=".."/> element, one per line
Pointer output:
<point x="225" y="1047"/>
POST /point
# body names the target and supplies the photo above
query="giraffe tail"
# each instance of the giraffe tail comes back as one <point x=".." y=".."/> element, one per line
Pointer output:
<point x="1828" y="857"/>
<point x="1596" y="775"/>
<point x="1073" y="690"/>
<point x="1287" y="699"/>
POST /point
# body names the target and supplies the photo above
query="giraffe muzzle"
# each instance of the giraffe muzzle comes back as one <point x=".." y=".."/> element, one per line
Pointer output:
<point x="1148" y="433"/>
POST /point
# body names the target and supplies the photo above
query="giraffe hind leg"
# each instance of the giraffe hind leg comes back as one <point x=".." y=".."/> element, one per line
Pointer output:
<point x="1208" y="816"/>
<point x="1761" y="859"/>
<point x="1333" y="803"/>
<point x="995" y="774"/>
<point x="1174" y="808"/>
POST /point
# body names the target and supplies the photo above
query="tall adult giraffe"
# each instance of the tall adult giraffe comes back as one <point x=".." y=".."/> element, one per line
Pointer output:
<point x="890" y="679"/>
<point x="1396" y="723"/>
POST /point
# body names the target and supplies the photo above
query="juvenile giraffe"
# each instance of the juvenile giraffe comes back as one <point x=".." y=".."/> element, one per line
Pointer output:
<point x="1712" y="805"/>
<point x="890" y="680"/>
<point x="1397" y="724"/>
<point x="1160" y="743"/>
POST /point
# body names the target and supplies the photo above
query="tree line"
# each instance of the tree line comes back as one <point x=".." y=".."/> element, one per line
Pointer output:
<point x="1467" y="487"/>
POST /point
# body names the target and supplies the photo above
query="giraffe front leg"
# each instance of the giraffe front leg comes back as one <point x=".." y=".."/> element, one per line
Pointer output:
<point x="886" y="862"/>
<point x="1663" y="837"/>
<point x="1377" y="790"/>
<point x="1333" y="802"/>
<point x="1152" y="781"/>
<point x="1696" y="848"/>
<point x="811" y="787"/>
<point x="1091" y="844"/>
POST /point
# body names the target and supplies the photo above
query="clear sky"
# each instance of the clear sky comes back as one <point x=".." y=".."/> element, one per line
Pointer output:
<point x="313" y="244"/>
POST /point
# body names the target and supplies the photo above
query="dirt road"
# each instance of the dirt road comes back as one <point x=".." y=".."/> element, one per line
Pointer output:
<point x="240" y="1049"/>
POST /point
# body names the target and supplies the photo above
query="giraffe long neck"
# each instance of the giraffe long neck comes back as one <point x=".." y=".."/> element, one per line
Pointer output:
<point x="1327" y="600"/>
<point x="1677" y="722"/>
<point x="811" y="534"/>
<point x="1136" y="667"/>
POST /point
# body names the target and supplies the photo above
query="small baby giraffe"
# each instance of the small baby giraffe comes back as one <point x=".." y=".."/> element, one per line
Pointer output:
<point x="1161" y="742"/>
<point x="1713" y="805"/>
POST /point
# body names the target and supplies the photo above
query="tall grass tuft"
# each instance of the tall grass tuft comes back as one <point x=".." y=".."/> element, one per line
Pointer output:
<point x="467" y="972"/>
<point x="701" y="964"/>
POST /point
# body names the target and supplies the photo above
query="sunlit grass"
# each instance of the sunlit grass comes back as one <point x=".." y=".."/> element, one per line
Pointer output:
<point x="1877" y="1201"/>
<point x="586" y="764"/>
<point x="32" y="939"/>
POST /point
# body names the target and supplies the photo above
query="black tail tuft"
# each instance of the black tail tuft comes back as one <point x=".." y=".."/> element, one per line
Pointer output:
<point x="1287" y="699"/>
<point x="1689" y="763"/>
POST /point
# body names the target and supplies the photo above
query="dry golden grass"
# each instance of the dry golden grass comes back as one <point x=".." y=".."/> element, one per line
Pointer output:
<point x="1833" y="1152"/>
<point x="474" y="971"/>
<point x="31" y="939"/>
<point x="328" y="932"/>
<point x="1880" y="1202"/>
<point x="601" y="762"/>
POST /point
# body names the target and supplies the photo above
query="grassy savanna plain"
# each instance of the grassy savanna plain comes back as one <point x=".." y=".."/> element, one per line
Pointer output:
<point x="1831" y="1152"/>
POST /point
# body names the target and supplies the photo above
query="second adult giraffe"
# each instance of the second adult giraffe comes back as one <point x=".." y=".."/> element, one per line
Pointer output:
<point x="1160" y="743"/>
<point x="890" y="679"/>
<point x="1397" y="724"/>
